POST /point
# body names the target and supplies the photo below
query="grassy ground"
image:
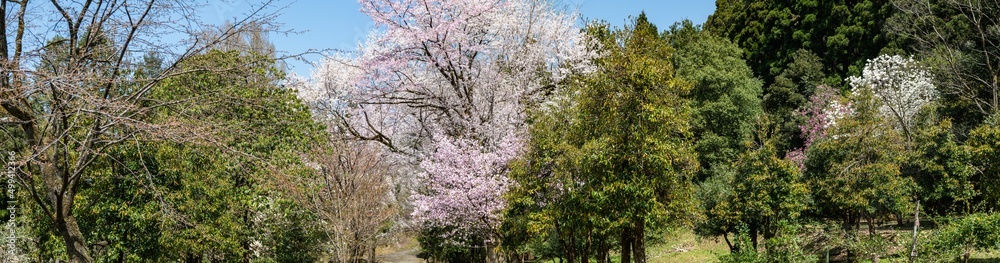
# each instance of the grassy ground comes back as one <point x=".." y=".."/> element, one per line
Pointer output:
<point x="683" y="247"/>
<point x="686" y="247"/>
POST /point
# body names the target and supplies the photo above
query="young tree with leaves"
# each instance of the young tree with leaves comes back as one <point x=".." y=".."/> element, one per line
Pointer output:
<point x="854" y="172"/>
<point x="725" y="94"/>
<point x="626" y="150"/>
<point x="764" y="192"/>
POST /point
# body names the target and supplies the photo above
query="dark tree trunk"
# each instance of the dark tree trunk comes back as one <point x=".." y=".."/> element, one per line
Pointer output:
<point x="62" y="209"/>
<point x="638" y="243"/>
<point x="571" y="249"/>
<point x="768" y="230"/>
<point x="871" y="225"/>
<point x="76" y="247"/>
<point x="626" y="243"/>
<point x="602" y="250"/>
<point x="732" y="248"/>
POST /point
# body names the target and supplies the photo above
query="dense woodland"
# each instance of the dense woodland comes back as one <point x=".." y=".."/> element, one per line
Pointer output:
<point x="503" y="131"/>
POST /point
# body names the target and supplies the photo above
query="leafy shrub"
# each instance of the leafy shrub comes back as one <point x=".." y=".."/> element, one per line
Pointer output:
<point x="972" y="232"/>
<point x="787" y="246"/>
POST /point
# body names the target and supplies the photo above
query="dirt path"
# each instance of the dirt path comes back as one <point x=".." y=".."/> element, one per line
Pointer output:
<point x="403" y="256"/>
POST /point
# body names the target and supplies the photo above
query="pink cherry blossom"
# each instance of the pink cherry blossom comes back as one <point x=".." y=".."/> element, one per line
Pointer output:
<point x="464" y="184"/>
<point x="447" y="83"/>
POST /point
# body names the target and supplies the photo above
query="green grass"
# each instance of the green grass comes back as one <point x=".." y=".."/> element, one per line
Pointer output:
<point x="683" y="246"/>
<point x="686" y="247"/>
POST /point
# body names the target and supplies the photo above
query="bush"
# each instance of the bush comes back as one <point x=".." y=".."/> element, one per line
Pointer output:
<point x="972" y="232"/>
<point x="787" y="246"/>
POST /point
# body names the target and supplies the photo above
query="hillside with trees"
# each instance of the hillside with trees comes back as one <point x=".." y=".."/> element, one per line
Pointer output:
<point x="503" y="131"/>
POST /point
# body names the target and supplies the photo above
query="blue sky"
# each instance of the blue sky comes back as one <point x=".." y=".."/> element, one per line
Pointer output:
<point x="339" y="24"/>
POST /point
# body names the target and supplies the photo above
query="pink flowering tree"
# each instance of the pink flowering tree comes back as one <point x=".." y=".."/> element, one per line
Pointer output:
<point x="821" y="112"/>
<point x="464" y="184"/>
<point x="446" y="83"/>
<point x="464" y="68"/>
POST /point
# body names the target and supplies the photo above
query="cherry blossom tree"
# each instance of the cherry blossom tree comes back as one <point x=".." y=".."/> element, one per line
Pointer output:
<point x="446" y="85"/>
<point x="464" y="185"/>
<point x="460" y="67"/>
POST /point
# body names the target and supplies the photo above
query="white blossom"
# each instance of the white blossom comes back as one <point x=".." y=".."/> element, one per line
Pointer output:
<point x="900" y="83"/>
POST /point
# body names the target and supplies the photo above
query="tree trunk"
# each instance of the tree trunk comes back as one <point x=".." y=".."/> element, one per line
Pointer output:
<point x="916" y="227"/>
<point x="571" y="249"/>
<point x="768" y="230"/>
<point x="76" y="247"/>
<point x="638" y="242"/>
<point x="626" y="242"/>
<point x="732" y="249"/>
<point x="871" y="225"/>
<point x="602" y="250"/>
<point x="62" y="208"/>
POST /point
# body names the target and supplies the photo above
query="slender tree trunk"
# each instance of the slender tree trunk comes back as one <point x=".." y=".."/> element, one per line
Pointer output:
<point x="768" y="230"/>
<point x="571" y="249"/>
<point x="602" y="250"/>
<point x="871" y="225"/>
<point x="732" y="249"/>
<point x="916" y="227"/>
<point x="626" y="242"/>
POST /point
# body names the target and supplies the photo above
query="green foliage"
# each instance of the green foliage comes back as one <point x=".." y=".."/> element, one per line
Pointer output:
<point x="795" y="46"/>
<point x="942" y="168"/>
<point x="855" y="172"/>
<point x="151" y="200"/>
<point x="725" y="96"/>
<point x="984" y="146"/>
<point x="791" y="91"/>
<point x="842" y="33"/>
<point x="636" y="147"/>
<point x="972" y="232"/>
<point x="614" y="157"/>
<point x="763" y="192"/>
<point x="787" y="246"/>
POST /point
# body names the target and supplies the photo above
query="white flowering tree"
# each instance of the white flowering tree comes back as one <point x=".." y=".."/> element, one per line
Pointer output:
<point x="901" y="84"/>
<point x="465" y="68"/>
<point x="903" y="87"/>
<point x="446" y="84"/>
